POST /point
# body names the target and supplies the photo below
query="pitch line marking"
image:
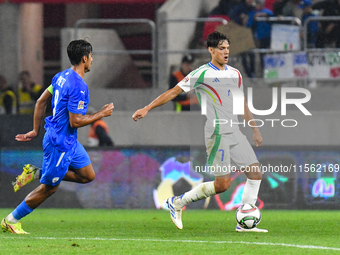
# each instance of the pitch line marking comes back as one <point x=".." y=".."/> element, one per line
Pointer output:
<point x="184" y="241"/>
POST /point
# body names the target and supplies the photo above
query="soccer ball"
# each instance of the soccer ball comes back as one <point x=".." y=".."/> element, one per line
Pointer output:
<point x="248" y="216"/>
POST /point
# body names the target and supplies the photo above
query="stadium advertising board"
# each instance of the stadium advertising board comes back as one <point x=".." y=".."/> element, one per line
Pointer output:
<point x="285" y="37"/>
<point x="143" y="178"/>
<point x="314" y="65"/>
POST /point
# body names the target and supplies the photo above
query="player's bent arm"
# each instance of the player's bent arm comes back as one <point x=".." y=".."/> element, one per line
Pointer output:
<point x="162" y="99"/>
<point x="79" y="120"/>
<point x="165" y="97"/>
<point x="39" y="113"/>
<point x="249" y="118"/>
<point x="40" y="109"/>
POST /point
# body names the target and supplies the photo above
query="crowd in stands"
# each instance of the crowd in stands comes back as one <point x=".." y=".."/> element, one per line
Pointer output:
<point x="320" y="34"/>
<point x="184" y="101"/>
<point x="21" y="101"/>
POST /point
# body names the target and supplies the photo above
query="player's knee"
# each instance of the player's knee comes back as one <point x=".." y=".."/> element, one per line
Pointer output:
<point x="53" y="190"/>
<point x="253" y="172"/>
<point x="256" y="176"/>
<point x="222" y="185"/>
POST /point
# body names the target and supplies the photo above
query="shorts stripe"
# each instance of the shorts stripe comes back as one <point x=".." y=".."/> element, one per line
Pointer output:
<point x="214" y="149"/>
<point x="61" y="157"/>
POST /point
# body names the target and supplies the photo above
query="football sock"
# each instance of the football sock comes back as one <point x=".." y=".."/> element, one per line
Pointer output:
<point x="11" y="219"/>
<point x="201" y="191"/>
<point x="37" y="174"/>
<point x="250" y="192"/>
<point x="21" y="211"/>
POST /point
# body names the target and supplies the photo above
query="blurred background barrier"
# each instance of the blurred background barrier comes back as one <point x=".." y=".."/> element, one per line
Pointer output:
<point x="141" y="177"/>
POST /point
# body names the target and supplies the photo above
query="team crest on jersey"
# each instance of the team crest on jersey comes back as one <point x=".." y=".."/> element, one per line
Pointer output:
<point x="81" y="105"/>
<point x="186" y="79"/>
<point x="55" y="179"/>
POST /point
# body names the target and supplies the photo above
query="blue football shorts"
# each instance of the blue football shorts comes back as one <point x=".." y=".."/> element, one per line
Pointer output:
<point x="56" y="163"/>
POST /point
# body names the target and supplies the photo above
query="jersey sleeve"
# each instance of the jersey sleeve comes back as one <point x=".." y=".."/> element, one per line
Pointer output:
<point x="78" y="98"/>
<point x="188" y="83"/>
<point x="185" y="84"/>
<point x="238" y="77"/>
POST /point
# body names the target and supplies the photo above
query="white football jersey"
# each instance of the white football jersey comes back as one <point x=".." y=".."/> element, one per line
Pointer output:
<point x="216" y="90"/>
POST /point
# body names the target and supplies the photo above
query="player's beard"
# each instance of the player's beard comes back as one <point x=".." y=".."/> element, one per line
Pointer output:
<point x="87" y="70"/>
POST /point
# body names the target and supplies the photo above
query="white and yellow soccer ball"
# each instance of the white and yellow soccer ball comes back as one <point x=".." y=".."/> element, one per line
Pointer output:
<point x="248" y="216"/>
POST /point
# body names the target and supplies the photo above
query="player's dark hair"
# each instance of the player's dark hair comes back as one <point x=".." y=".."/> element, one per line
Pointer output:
<point x="77" y="49"/>
<point x="215" y="38"/>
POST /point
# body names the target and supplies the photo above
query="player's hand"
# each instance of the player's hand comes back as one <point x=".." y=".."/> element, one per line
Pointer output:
<point x="26" y="137"/>
<point x="139" y="114"/>
<point x="257" y="138"/>
<point x="107" y="109"/>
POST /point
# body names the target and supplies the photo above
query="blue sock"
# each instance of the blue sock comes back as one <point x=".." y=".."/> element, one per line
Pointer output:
<point x="22" y="210"/>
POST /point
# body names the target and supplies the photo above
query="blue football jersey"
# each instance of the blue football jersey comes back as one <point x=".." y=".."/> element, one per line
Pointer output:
<point x="70" y="94"/>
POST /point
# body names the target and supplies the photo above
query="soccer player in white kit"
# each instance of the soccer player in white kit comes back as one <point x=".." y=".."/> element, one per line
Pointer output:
<point x="218" y="86"/>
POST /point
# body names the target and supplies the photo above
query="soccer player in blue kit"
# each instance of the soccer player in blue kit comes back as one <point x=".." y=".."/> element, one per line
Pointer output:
<point x="64" y="157"/>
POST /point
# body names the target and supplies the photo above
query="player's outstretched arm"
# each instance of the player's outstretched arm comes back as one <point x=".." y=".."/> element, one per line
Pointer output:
<point x="39" y="113"/>
<point x="249" y="118"/>
<point x="162" y="99"/>
<point x="79" y="120"/>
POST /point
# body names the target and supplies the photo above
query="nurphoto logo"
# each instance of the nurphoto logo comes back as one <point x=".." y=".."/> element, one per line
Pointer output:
<point x="238" y="105"/>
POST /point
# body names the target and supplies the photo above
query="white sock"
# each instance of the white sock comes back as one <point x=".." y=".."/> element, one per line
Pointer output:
<point x="201" y="191"/>
<point x="250" y="192"/>
<point x="37" y="174"/>
<point x="11" y="219"/>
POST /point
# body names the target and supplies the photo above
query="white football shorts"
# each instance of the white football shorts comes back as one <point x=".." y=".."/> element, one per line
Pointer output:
<point x="228" y="153"/>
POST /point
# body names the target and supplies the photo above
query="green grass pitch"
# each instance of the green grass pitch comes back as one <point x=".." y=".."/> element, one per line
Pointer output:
<point x="92" y="231"/>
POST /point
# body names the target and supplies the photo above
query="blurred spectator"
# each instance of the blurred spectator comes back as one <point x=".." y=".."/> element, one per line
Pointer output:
<point x="269" y="4"/>
<point x="224" y="7"/>
<point x="8" y="100"/>
<point x="278" y="7"/>
<point x="239" y="15"/>
<point x="330" y="30"/>
<point x="278" y="11"/>
<point x="313" y="26"/>
<point x="220" y="11"/>
<point x="262" y="29"/>
<point x="183" y="101"/>
<point x="29" y="92"/>
<point x="322" y="5"/>
<point x="98" y="133"/>
<point x="292" y="9"/>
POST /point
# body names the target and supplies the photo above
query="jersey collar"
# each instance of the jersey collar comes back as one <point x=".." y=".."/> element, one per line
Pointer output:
<point x="215" y="68"/>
